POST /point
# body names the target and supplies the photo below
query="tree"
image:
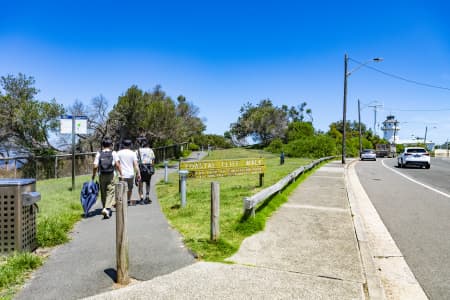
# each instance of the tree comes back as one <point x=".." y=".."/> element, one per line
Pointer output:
<point x="297" y="130"/>
<point x="26" y="122"/>
<point x="161" y="119"/>
<point x="263" y="122"/>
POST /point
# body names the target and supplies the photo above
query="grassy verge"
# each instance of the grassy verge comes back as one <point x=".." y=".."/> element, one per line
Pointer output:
<point x="193" y="221"/>
<point x="59" y="210"/>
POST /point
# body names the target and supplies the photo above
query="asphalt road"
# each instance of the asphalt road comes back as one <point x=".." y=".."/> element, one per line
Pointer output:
<point x="416" y="212"/>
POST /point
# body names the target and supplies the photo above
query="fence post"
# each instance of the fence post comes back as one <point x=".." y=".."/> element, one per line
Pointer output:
<point x="56" y="166"/>
<point x="121" y="234"/>
<point x="166" y="171"/>
<point x="215" y="210"/>
<point x="249" y="209"/>
<point x="261" y="179"/>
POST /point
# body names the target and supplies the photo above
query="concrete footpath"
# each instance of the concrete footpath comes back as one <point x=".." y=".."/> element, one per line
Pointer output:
<point x="308" y="250"/>
<point x="313" y="247"/>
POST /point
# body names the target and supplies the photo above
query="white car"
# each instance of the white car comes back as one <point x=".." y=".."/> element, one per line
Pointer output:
<point x="416" y="156"/>
<point x="368" y="154"/>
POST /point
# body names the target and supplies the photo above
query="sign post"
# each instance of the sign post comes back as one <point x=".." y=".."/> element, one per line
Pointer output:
<point x="73" y="125"/>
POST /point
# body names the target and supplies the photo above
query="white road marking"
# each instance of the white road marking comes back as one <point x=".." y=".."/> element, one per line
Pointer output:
<point x="415" y="181"/>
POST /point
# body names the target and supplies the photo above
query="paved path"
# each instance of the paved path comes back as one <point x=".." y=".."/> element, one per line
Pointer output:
<point x="86" y="265"/>
<point x="308" y="250"/>
<point x="315" y="246"/>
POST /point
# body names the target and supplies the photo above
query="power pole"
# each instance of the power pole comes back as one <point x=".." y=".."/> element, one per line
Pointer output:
<point x="375" y="107"/>
<point x="359" y="122"/>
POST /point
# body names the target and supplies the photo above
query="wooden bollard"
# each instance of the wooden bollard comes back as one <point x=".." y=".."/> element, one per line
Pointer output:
<point x="215" y="210"/>
<point x="121" y="234"/>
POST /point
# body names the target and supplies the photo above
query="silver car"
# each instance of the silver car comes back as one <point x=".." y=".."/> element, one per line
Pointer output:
<point x="414" y="156"/>
<point x="368" y="154"/>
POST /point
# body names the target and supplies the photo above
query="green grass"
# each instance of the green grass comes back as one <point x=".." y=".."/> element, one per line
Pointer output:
<point x="193" y="221"/>
<point x="59" y="209"/>
<point x="13" y="270"/>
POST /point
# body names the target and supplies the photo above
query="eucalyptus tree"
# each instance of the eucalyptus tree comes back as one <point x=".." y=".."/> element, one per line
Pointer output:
<point x="263" y="122"/>
<point x="26" y="122"/>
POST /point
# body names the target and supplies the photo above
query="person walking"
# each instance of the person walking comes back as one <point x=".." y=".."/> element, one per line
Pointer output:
<point x="128" y="163"/>
<point x="105" y="163"/>
<point x="146" y="159"/>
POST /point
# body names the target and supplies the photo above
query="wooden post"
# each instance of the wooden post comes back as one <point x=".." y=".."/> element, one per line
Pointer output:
<point x="215" y="210"/>
<point x="56" y="166"/>
<point x="121" y="234"/>
<point x="261" y="179"/>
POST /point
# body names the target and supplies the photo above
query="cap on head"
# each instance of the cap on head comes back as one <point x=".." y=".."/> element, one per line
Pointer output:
<point x="142" y="142"/>
<point x="107" y="142"/>
<point x="126" y="142"/>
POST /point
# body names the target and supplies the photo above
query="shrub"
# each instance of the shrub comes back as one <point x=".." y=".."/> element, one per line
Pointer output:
<point x="312" y="147"/>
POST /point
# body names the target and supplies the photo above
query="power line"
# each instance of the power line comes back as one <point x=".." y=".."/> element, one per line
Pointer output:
<point x="402" y="78"/>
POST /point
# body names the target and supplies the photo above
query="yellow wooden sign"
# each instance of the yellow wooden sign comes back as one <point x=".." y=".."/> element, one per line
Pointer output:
<point x="221" y="168"/>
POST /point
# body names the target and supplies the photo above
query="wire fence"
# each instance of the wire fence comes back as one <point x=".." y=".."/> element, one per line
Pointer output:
<point x="57" y="166"/>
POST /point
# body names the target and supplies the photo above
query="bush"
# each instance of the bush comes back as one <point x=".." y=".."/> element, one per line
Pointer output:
<point x="194" y="147"/>
<point x="312" y="147"/>
<point x="276" y="146"/>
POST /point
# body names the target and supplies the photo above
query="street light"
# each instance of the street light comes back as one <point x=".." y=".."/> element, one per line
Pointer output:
<point x="425" y="138"/>
<point x="344" y="111"/>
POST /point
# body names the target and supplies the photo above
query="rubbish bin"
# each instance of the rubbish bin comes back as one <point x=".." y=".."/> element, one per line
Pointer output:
<point x="18" y="210"/>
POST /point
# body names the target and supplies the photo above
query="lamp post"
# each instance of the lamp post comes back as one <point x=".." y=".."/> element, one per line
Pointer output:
<point x="344" y="110"/>
<point x="425" y="137"/>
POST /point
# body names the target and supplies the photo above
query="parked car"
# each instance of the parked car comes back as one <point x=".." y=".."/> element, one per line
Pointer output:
<point x="414" y="156"/>
<point x="368" y="154"/>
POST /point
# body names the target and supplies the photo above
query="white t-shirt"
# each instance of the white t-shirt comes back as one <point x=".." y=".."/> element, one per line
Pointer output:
<point x="97" y="158"/>
<point x="126" y="158"/>
<point x="147" y="155"/>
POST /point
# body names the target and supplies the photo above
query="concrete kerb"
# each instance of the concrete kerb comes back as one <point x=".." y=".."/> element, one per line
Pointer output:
<point x="387" y="274"/>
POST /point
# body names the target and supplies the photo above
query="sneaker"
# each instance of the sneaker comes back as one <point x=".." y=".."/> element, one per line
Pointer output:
<point x="147" y="200"/>
<point x="109" y="212"/>
<point x="105" y="213"/>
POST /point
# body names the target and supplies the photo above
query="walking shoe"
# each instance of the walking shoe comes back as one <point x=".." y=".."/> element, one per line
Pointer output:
<point x="105" y="213"/>
<point x="147" y="200"/>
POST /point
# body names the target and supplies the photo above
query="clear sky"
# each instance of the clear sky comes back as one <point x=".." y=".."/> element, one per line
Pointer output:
<point x="222" y="54"/>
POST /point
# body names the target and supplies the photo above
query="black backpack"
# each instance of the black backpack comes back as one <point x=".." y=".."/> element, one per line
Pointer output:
<point x="106" y="162"/>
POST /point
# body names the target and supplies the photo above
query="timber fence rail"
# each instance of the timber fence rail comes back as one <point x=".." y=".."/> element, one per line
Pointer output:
<point x="250" y="203"/>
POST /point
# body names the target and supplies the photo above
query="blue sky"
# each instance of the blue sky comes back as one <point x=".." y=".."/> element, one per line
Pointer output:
<point x="222" y="54"/>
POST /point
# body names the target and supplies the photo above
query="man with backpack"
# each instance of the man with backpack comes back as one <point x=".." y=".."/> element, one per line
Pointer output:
<point x="105" y="163"/>
<point x="128" y="162"/>
<point x="146" y="159"/>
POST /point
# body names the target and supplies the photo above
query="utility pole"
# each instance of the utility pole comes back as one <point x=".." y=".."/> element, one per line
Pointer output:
<point x="344" y="110"/>
<point x="375" y="107"/>
<point x="359" y="122"/>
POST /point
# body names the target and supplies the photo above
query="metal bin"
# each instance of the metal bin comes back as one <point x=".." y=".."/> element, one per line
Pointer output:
<point x="18" y="211"/>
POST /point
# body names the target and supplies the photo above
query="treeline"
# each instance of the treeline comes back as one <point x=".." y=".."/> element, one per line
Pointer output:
<point x="290" y="130"/>
<point x="26" y="123"/>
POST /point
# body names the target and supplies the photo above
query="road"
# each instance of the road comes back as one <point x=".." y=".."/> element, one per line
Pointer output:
<point x="416" y="211"/>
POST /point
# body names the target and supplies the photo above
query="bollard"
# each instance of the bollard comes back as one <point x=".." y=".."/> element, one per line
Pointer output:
<point x="166" y="172"/>
<point x="122" y="258"/>
<point x="183" y="178"/>
<point x="215" y="208"/>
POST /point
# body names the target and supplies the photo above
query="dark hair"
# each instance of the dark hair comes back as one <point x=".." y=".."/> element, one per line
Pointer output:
<point x="126" y="143"/>
<point x="107" y="142"/>
<point x="142" y="141"/>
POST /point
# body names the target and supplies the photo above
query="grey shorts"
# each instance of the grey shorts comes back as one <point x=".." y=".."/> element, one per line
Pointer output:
<point x="129" y="181"/>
